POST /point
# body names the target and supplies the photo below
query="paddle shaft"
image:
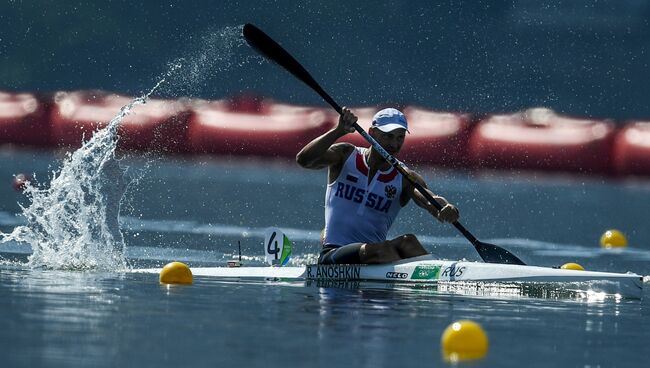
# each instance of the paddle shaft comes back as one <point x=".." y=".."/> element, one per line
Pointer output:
<point x="397" y="165"/>
<point x="400" y="167"/>
<point x="274" y="52"/>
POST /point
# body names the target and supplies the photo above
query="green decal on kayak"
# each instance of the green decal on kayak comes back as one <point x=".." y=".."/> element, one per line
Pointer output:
<point x="426" y="272"/>
<point x="286" y="251"/>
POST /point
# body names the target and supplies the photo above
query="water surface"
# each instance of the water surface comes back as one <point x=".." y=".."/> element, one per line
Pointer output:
<point x="196" y="211"/>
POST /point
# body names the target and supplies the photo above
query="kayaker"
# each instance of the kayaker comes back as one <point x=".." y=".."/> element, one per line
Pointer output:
<point x="365" y="193"/>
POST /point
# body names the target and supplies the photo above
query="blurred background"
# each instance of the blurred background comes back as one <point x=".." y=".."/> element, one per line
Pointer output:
<point x="579" y="57"/>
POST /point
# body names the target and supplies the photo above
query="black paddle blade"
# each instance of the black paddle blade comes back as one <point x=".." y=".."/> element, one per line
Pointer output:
<point x="494" y="254"/>
<point x="270" y="49"/>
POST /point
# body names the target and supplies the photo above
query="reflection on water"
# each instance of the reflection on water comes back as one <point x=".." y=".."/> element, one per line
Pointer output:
<point x="69" y="318"/>
<point x="53" y="306"/>
<point x="385" y="318"/>
<point x="512" y="290"/>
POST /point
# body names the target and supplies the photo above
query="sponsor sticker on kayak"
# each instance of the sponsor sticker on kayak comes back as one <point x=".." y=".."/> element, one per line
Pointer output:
<point x="426" y="272"/>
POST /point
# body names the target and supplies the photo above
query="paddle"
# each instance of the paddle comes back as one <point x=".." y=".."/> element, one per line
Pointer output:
<point x="265" y="45"/>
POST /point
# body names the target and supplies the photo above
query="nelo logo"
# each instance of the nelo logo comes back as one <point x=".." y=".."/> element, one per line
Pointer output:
<point x="396" y="275"/>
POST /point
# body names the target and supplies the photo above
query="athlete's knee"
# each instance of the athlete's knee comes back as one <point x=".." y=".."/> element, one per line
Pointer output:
<point x="386" y="251"/>
<point x="409" y="239"/>
<point x="409" y="246"/>
<point x="375" y="253"/>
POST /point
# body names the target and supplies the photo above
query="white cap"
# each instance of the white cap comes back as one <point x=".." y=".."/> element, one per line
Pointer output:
<point x="389" y="119"/>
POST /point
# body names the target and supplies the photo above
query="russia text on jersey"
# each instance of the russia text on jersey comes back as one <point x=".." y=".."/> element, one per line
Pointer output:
<point x="354" y="194"/>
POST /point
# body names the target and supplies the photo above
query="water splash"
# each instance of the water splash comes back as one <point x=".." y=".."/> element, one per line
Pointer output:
<point x="73" y="224"/>
<point x="216" y="51"/>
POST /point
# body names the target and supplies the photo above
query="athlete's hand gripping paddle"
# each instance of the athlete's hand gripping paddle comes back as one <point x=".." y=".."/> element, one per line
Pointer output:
<point x="266" y="46"/>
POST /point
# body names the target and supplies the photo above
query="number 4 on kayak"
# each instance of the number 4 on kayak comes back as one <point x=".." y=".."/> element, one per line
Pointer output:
<point x="277" y="247"/>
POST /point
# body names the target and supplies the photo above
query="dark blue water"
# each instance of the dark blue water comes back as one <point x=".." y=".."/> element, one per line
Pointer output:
<point x="196" y="211"/>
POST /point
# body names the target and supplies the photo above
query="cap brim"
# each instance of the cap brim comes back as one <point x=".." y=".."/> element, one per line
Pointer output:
<point x="390" y="127"/>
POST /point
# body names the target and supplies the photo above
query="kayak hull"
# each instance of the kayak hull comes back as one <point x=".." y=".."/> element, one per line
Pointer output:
<point x="425" y="270"/>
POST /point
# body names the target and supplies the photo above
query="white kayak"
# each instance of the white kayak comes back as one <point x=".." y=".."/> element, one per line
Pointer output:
<point x="428" y="271"/>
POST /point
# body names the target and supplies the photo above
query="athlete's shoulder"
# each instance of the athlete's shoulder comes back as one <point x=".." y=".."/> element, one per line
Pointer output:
<point x="343" y="147"/>
<point x="342" y="150"/>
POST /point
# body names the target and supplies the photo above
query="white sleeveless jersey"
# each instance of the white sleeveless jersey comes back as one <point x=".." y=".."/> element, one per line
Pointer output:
<point x="358" y="211"/>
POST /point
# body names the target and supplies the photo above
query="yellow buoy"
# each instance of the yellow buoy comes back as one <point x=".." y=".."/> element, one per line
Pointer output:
<point x="464" y="340"/>
<point x="613" y="239"/>
<point x="176" y="273"/>
<point x="572" y="266"/>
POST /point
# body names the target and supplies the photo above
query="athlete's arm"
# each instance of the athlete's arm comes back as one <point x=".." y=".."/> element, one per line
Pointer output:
<point x="449" y="212"/>
<point x="322" y="152"/>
